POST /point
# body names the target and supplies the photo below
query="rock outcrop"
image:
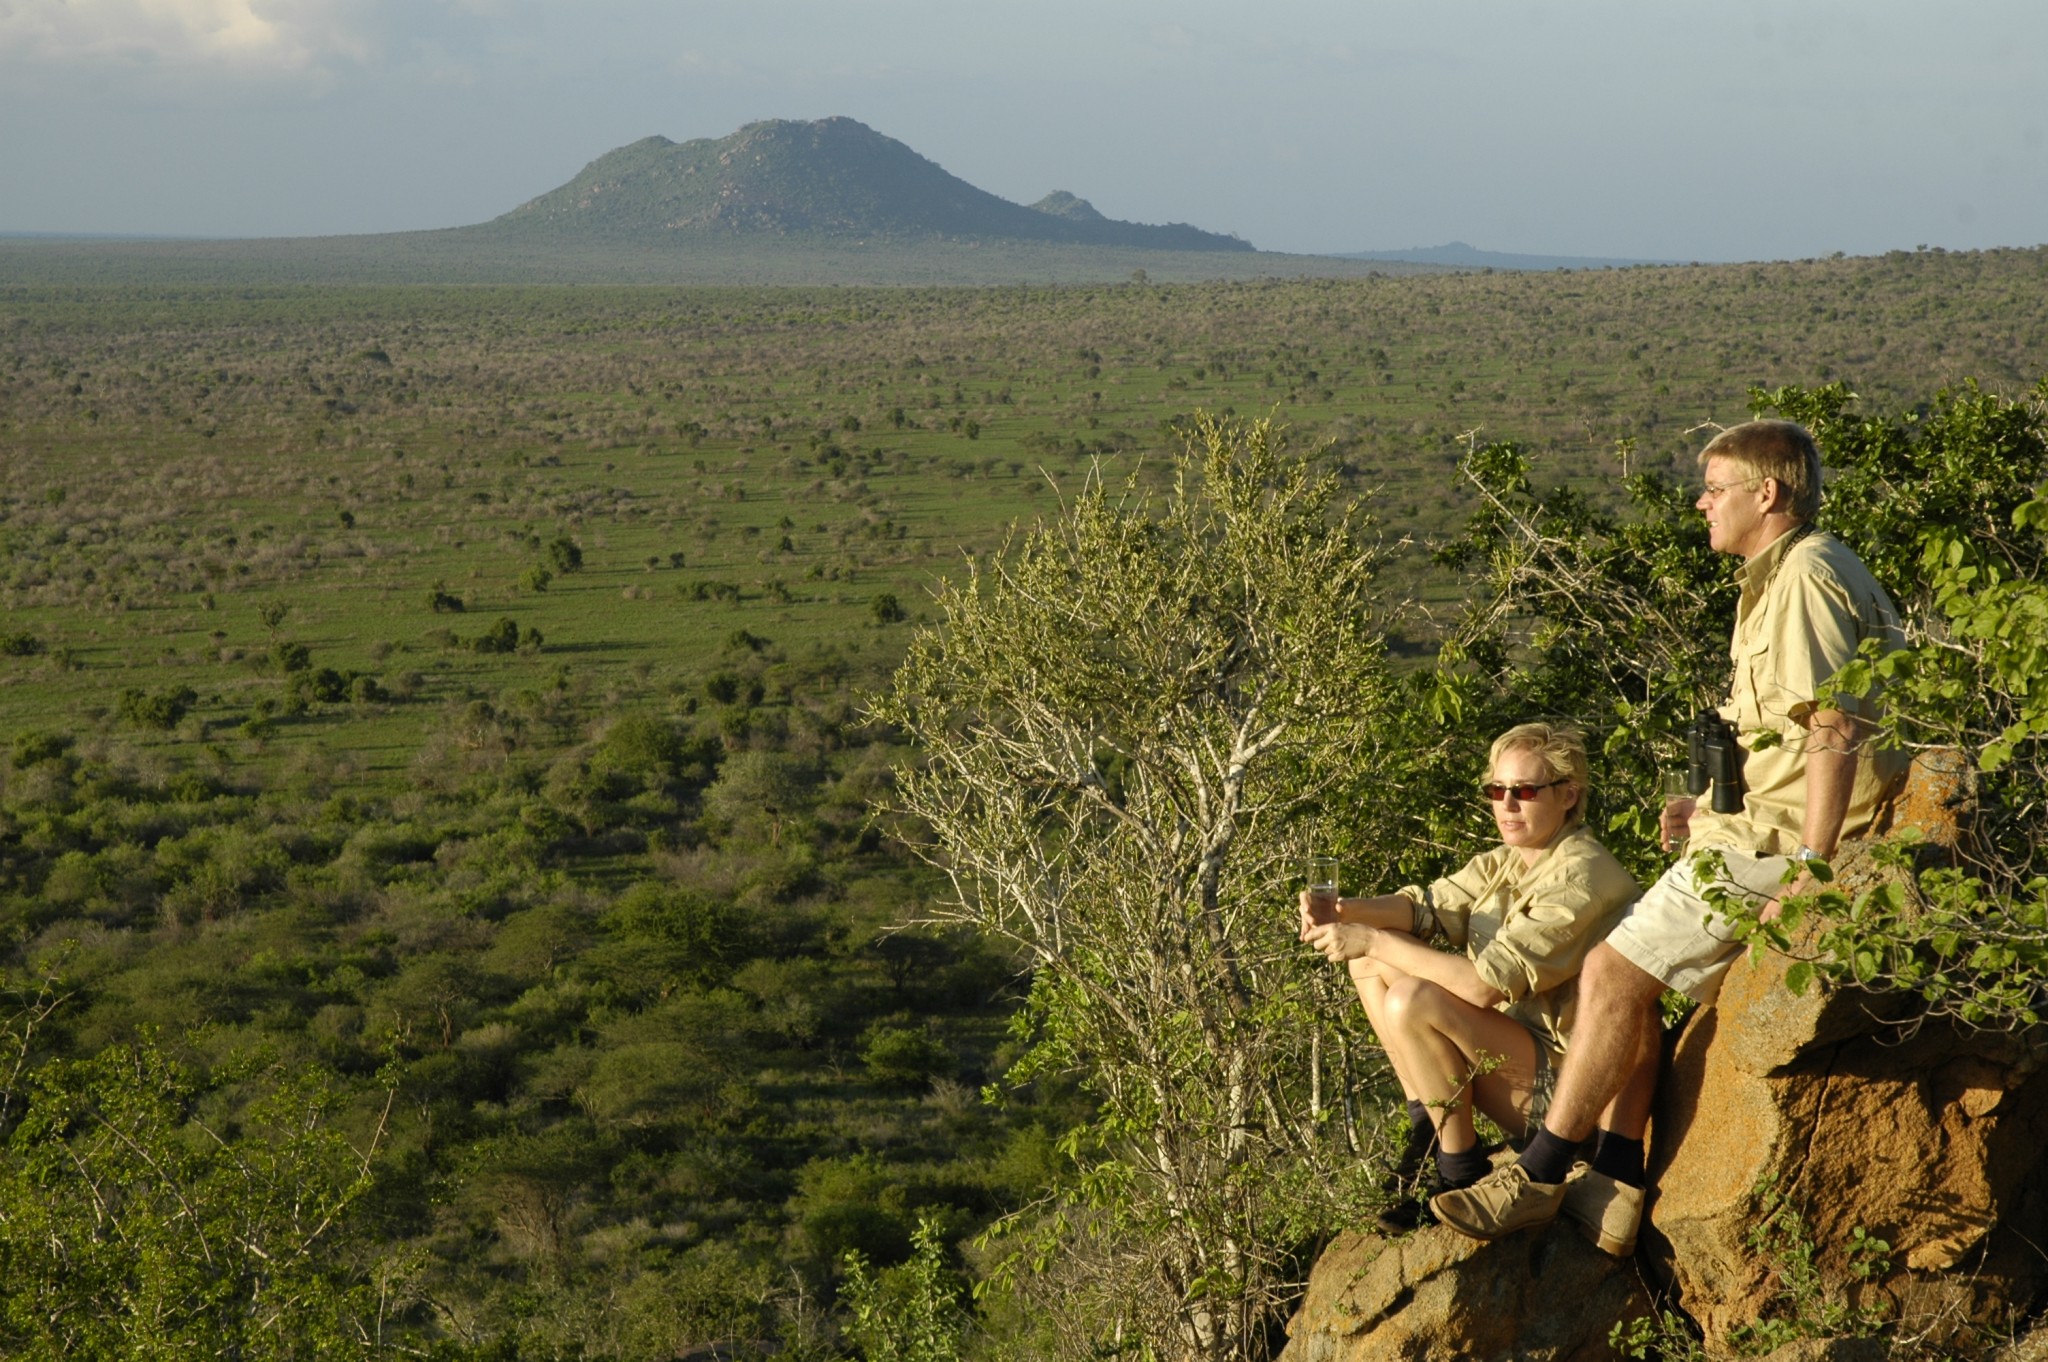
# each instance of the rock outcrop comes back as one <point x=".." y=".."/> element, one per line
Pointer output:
<point x="1929" y="1142"/>
<point x="1832" y="1106"/>
<point x="1436" y="1294"/>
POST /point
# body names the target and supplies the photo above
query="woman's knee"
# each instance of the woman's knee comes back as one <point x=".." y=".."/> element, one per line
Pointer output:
<point x="1413" y="1001"/>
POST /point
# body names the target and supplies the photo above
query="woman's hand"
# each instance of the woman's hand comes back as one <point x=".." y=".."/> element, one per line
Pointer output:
<point x="1341" y="941"/>
<point x="1317" y="910"/>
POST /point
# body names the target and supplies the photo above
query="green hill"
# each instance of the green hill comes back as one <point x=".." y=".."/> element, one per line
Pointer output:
<point x="834" y="178"/>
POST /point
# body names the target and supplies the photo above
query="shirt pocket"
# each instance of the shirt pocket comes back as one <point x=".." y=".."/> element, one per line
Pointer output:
<point x="1756" y="692"/>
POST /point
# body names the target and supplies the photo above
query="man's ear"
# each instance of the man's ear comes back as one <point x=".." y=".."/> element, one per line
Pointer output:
<point x="1777" y="500"/>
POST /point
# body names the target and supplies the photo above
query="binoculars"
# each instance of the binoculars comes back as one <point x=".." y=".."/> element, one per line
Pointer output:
<point x="1714" y="759"/>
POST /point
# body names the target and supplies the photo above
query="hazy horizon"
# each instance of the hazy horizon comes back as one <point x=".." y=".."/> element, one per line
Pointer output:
<point x="1689" y="132"/>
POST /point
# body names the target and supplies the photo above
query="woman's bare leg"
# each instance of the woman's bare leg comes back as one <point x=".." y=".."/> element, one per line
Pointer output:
<point x="1442" y="1041"/>
<point x="1372" y="979"/>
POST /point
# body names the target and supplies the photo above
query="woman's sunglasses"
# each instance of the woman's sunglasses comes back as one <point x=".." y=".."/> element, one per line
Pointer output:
<point x="1496" y="792"/>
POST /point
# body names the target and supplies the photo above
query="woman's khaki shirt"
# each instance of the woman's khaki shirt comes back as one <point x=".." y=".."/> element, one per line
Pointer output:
<point x="1527" y="929"/>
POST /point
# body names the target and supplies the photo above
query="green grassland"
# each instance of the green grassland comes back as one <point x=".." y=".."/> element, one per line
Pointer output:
<point x="601" y="897"/>
<point x="774" y="460"/>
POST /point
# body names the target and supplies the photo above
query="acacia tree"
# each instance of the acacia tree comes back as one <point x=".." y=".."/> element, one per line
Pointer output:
<point x="1130" y="725"/>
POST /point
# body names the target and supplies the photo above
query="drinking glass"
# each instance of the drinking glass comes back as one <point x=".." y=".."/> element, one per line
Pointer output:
<point x="1322" y="885"/>
<point x="1677" y="785"/>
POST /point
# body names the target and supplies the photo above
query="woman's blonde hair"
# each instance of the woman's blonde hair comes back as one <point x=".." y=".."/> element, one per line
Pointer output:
<point x="1563" y="750"/>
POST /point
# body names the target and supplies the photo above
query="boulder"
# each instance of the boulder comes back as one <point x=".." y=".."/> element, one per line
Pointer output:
<point x="2031" y="1347"/>
<point x="1836" y="1107"/>
<point x="1543" y="1297"/>
<point x="1927" y="1141"/>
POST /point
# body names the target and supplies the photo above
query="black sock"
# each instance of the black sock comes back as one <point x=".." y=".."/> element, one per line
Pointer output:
<point x="1421" y="1134"/>
<point x="1548" y="1158"/>
<point x="1463" y="1169"/>
<point x="1619" y="1158"/>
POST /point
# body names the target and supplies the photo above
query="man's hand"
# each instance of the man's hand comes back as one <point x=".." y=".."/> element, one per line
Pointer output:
<point x="1675" y="822"/>
<point x="1805" y="884"/>
<point x="1341" y="941"/>
<point x="1317" y="911"/>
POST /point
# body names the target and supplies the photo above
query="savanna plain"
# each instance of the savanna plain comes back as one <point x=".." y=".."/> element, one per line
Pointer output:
<point x="441" y="833"/>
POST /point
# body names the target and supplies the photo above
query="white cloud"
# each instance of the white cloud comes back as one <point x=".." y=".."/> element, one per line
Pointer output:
<point x="253" y="37"/>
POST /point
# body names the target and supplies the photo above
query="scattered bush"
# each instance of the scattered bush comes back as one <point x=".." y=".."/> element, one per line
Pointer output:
<point x="904" y="1057"/>
<point x="161" y="710"/>
<point x="565" y="555"/>
<point x="320" y="685"/>
<point x="502" y="637"/>
<point x="34" y="747"/>
<point x="726" y="688"/>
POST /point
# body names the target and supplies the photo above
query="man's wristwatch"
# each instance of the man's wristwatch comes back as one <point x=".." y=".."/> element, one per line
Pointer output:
<point x="1805" y="854"/>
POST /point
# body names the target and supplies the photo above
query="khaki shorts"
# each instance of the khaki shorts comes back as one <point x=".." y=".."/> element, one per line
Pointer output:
<point x="1672" y="935"/>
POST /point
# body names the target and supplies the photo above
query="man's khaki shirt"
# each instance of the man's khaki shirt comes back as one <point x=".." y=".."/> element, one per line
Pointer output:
<point x="1807" y="605"/>
<point x="1527" y="929"/>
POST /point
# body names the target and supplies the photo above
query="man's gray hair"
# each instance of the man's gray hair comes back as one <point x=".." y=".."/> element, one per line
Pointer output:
<point x="1774" y="449"/>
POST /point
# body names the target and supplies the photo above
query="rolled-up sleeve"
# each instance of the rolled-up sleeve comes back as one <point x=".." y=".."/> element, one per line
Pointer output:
<point x="1421" y="910"/>
<point x="1445" y="908"/>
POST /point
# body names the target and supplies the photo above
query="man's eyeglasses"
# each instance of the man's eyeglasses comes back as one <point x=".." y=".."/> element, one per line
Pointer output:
<point x="1496" y="792"/>
<point x="1713" y="490"/>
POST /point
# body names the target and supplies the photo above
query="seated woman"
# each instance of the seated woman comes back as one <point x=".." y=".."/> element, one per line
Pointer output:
<point x="1488" y="1026"/>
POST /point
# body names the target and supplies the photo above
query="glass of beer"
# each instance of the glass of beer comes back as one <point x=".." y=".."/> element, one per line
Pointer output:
<point x="1676" y="785"/>
<point x="1322" y="887"/>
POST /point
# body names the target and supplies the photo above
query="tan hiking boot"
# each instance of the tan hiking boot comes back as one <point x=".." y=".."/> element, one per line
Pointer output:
<point x="1500" y="1203"/>
<point x="1606" y="1212"/>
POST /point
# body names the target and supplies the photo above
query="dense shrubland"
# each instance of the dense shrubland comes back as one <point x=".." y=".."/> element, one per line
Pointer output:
<point x="569" y="972"/>
<point x="665" y="1084"/>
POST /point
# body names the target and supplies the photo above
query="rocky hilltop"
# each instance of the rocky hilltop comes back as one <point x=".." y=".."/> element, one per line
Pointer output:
<point x="833" y="179"/>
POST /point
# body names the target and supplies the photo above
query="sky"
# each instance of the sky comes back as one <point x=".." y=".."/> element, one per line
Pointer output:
<point x="1672" y="130"/>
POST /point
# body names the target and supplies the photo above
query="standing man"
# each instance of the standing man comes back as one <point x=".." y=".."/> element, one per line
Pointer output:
<point x="1807" y="605"/>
